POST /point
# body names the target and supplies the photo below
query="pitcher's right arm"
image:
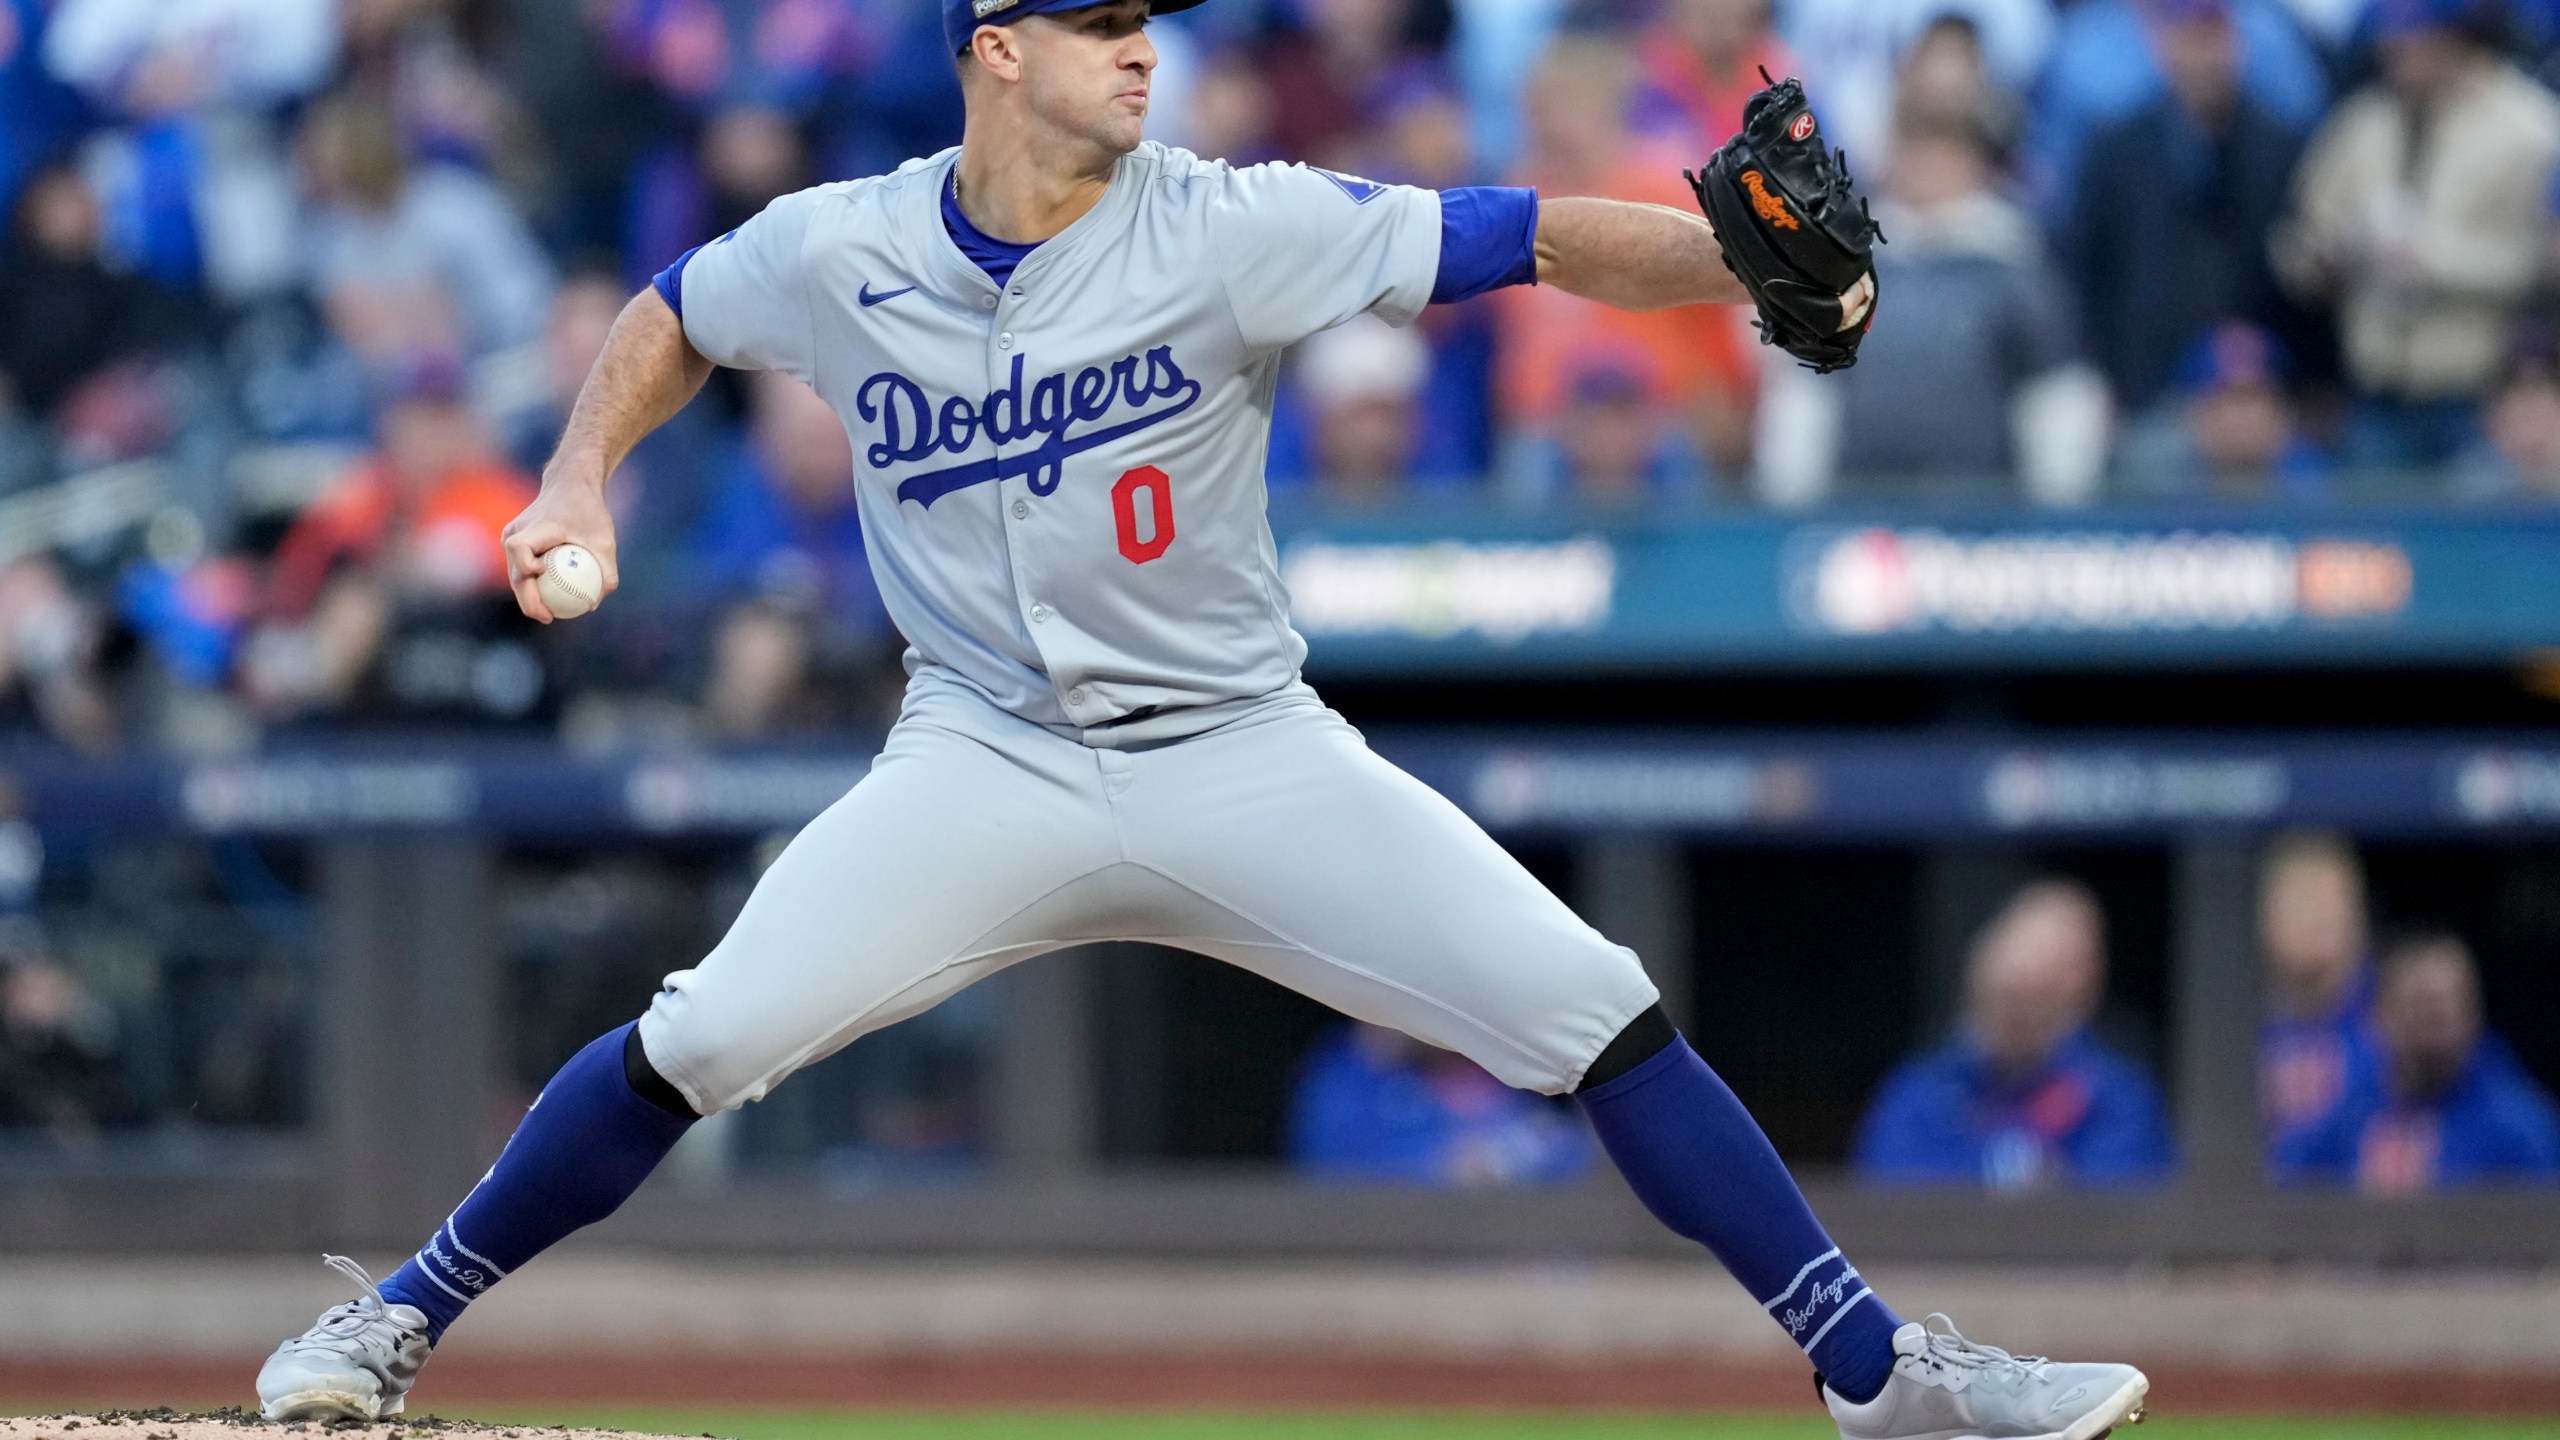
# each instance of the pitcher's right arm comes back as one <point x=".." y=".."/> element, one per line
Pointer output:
<point x="647" y="372"/>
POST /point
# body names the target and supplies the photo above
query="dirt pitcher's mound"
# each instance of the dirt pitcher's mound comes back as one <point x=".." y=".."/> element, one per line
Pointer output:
<point x="242" y="1425"/>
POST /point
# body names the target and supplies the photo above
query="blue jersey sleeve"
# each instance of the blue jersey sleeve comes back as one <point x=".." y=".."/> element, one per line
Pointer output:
<point x="1488" y="239"/>
<point x="669" y="283"/>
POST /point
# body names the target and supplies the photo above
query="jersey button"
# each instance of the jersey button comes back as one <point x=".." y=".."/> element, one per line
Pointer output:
<point x="1039" y="613"/>
<point x="1021" y="509"/>
<point x="1005" y="341"/>
<point x="1076" y="696"/>
<point x="987" y="302"/>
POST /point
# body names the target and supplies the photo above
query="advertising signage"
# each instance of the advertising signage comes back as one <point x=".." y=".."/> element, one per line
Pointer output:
<point x="1763" y="590"/>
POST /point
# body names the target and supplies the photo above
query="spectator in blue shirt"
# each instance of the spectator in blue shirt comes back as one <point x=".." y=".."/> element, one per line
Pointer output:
<point x="1374" y="1106"/>
<point x="2316" y="1043"/>
<point x="2447" y="1106"/>
<point x="2166" y="231"/>
<point x="2024" y="1097"/>
<point x="2104" y="67"/>
<point x="2234" y="436"/>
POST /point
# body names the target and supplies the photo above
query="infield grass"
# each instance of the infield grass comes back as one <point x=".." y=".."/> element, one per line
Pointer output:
<point x="1432" y="1425"/>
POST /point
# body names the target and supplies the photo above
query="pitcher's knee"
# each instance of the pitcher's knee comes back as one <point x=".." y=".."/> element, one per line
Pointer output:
<point x="716" y="1061"/>
<point x="1561" y="1026"/>
<point x="645" y="1080"/>
<point x="1643" y="1038"/>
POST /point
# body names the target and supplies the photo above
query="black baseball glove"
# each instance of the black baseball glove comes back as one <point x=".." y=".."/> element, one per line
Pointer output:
<point x="1793" y="229"/>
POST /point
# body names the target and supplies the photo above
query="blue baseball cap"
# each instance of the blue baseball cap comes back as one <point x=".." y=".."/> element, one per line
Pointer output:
<point x="961" y="18"/>
<point x="2234" y="352"/>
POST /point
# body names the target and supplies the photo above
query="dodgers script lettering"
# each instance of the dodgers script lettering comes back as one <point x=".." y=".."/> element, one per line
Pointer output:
<point x="1044" y="412"/>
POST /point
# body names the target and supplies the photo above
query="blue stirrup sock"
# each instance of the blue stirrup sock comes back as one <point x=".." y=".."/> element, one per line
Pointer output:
<point x="586" y="1144"/>
<point x="1700" y="1163"/>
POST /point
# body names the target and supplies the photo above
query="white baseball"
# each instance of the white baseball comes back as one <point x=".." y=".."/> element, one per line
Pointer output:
<point x="572" y="583"/>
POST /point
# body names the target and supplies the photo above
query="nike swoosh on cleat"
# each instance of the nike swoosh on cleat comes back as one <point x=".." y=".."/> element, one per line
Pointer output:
<point x="868" y="299"/>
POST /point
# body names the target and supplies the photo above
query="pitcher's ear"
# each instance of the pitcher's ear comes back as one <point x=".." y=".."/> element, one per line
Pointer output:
<point x="998" y="51"/>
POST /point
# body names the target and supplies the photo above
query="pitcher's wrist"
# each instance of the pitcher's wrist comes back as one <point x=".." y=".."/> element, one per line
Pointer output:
<point x="582" y="470"/>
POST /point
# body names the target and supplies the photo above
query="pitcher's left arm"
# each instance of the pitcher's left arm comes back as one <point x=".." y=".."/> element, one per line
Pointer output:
<point x="1632" y="255"/>
<point x="1783" y="229"/>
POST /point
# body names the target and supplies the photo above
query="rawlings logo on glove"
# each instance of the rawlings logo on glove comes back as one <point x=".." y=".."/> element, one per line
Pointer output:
<point x="1767" y="206"/>
<point x="1793" y="229"/>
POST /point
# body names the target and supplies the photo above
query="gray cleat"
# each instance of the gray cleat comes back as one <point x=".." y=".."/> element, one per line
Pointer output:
<point x="356" y="1363"/>
<point x="1945" y="1387"/>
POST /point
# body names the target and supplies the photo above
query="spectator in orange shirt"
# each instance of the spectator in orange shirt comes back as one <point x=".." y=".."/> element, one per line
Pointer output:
<point x="1702" y="59"/>
<point x="390" y="590"/>
<point x="1695" y="361"/>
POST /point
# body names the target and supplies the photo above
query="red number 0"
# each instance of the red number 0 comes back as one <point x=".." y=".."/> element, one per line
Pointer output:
<point x="1124" y="511"/>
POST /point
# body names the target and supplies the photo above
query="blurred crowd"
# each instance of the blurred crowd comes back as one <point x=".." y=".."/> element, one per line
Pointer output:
<point x="298" y="292"/>
<point x="2376" y="1067"/>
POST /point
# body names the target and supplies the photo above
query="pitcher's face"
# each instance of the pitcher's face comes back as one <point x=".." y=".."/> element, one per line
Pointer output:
<point x="1086" y="72"/>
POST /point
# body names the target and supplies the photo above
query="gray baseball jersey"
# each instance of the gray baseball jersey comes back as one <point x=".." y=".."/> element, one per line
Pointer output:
<point x="1105" y="736"/>
<point x="1061" y="479"/>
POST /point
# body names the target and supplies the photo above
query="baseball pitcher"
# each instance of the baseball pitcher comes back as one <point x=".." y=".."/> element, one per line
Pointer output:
<point x="1054" y="350"/>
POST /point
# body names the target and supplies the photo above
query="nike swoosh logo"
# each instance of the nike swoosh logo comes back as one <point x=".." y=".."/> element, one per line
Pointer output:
<point x="868" y="299"/>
